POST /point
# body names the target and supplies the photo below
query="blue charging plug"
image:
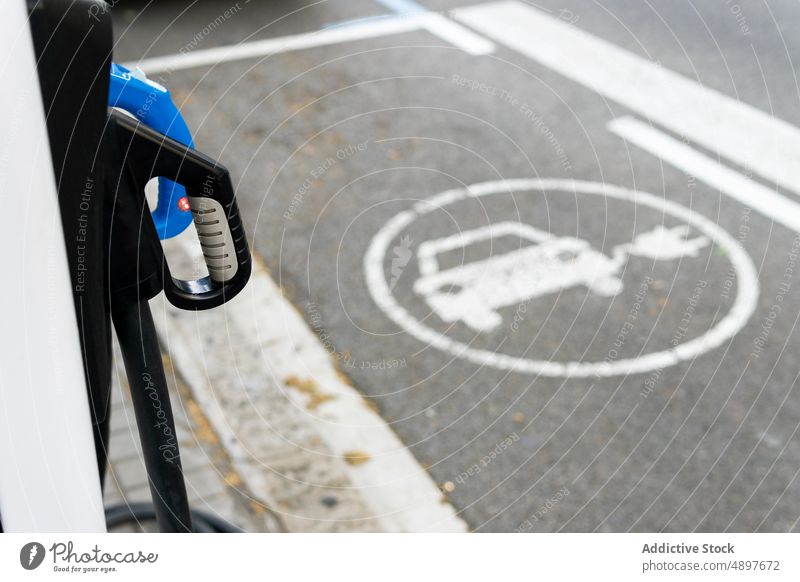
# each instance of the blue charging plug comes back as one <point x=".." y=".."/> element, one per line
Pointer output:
<point x="151" y="104"/>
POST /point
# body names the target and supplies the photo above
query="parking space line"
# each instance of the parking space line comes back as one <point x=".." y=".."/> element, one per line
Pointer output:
<point x="441" y="26"/>
<point x="261" y="48"/>
<point x="404" y="7"/>
<point x="748" y="192"/>
<point x="739" y="132"/>
<point x="456" y="34"/>
<point x="421" y="19"/>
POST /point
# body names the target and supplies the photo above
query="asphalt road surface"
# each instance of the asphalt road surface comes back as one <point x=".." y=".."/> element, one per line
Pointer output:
<point x="555" y="244"/>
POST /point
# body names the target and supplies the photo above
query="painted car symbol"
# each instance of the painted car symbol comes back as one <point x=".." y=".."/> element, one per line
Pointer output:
<point x="473" y="292"/>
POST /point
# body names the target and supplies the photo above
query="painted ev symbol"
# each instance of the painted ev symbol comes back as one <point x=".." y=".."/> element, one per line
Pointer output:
<point x="474" y="292"/>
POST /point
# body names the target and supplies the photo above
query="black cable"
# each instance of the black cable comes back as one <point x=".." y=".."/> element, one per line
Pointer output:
<point x="202" y="522"/>
<point x="148" y="386"/>
<point x="170" y="508"/>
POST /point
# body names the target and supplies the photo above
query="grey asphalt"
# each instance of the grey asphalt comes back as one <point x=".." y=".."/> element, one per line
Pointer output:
<point x="328" y="144"/>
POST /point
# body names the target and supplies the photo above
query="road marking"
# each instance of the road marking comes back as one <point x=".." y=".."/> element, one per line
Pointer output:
<point x="473" y="292"/>
<point x="752" y="194"/>
<point x="743" y="307"/>
<point x="261" y="48"/>
<point x="441" y="26"/>
<point x="744" y="134"/>
<point x="429" y="250"/>
<point x="403" y="7"/>
<point x="457" y="35"/>
<point x="236" y="360"/>
<point x="434" y="23"/>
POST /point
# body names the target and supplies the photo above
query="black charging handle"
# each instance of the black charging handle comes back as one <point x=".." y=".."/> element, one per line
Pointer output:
<point x="150" y="154"/>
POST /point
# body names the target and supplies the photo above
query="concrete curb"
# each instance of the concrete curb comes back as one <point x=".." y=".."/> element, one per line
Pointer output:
<point x="304" y="441"/>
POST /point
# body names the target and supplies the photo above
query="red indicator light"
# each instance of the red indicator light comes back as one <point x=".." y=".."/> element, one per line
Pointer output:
<point x="183" y="204"/>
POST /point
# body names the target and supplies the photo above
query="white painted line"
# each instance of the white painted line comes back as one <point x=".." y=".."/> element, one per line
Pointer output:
<point x="441" y="26"/>
<point x="281" y="44"/>
<point x="457" y="35"/>
<point x="233" y="357"/>
<point x="758" y="197"/>
<point x="745" y="135"/>
<point x="432" y="22"/>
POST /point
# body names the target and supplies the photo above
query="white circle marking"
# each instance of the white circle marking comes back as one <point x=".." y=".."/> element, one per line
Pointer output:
<point x="736" y="318"/>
